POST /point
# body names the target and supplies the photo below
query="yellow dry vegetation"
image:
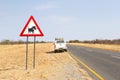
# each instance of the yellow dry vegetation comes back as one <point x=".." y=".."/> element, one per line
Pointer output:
<point x="100" y="46"/>
<point x="49" y="65"/>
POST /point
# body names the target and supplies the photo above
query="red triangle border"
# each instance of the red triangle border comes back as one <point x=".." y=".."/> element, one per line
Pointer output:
<point x="31" y="18"/>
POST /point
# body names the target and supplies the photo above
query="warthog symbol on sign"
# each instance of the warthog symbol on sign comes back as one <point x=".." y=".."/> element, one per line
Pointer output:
<point x="31" y="30"/>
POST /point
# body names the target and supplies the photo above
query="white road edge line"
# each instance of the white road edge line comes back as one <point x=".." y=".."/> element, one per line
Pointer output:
<point x="118" y="57"/>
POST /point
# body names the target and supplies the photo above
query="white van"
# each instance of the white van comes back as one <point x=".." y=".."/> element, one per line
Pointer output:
<point x="59" y="45"/>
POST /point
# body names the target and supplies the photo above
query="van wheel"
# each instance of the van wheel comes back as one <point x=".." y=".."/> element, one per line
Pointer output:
<point x="65" y="50"/>
<point x="55" y="51"/>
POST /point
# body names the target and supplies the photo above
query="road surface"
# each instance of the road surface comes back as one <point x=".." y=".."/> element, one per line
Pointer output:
<point x="105" y="63"/>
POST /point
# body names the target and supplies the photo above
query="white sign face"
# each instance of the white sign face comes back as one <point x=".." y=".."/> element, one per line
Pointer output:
<point x="31" y="28"/>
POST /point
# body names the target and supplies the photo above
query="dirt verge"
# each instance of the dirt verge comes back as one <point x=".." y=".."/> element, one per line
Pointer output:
<point x="49" y="65"/>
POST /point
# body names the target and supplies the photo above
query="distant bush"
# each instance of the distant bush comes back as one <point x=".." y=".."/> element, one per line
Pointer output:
<point x="6" y="42"/>
<point x="97" y="41"/>
<point x="11" y="42"/>
<point x="42" y="42"/>
<point x="74" y="41"/>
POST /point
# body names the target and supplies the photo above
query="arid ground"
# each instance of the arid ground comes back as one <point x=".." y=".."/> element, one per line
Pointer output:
<point x="49" y="65"/>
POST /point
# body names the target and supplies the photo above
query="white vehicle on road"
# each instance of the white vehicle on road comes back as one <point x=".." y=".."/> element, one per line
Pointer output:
<point x="59" y="45"/>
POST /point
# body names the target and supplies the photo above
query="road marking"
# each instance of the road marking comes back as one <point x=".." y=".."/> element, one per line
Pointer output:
<point x="86" y="66"/>
<point x="89" y="50"/>
<point x="118" y="57"/>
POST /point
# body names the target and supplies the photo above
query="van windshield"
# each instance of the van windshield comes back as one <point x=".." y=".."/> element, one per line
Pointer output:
<point x="60" y="41"/>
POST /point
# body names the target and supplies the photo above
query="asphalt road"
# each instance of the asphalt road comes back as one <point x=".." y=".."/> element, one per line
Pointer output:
<point x="105" y="63"/>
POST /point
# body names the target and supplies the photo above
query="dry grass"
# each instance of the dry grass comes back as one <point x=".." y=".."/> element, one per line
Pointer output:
<point x="100" y="46"/>
<point x="49" y="65"/>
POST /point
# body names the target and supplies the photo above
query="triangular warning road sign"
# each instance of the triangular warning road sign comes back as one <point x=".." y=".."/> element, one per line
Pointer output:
<point x="31" y="28"/>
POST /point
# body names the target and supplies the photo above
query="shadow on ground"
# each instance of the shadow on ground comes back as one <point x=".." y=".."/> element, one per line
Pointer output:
<point x="53" y="52"/>
<point x="7" y="69"/>
<point x="50" y="52"/>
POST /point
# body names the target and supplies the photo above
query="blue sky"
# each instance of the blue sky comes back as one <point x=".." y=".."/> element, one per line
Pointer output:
<point x="70" y="19"/>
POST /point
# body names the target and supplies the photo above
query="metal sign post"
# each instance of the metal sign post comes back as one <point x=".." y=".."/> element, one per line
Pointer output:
<point x="34" y="52"/>
<point x="26" y="52"/>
